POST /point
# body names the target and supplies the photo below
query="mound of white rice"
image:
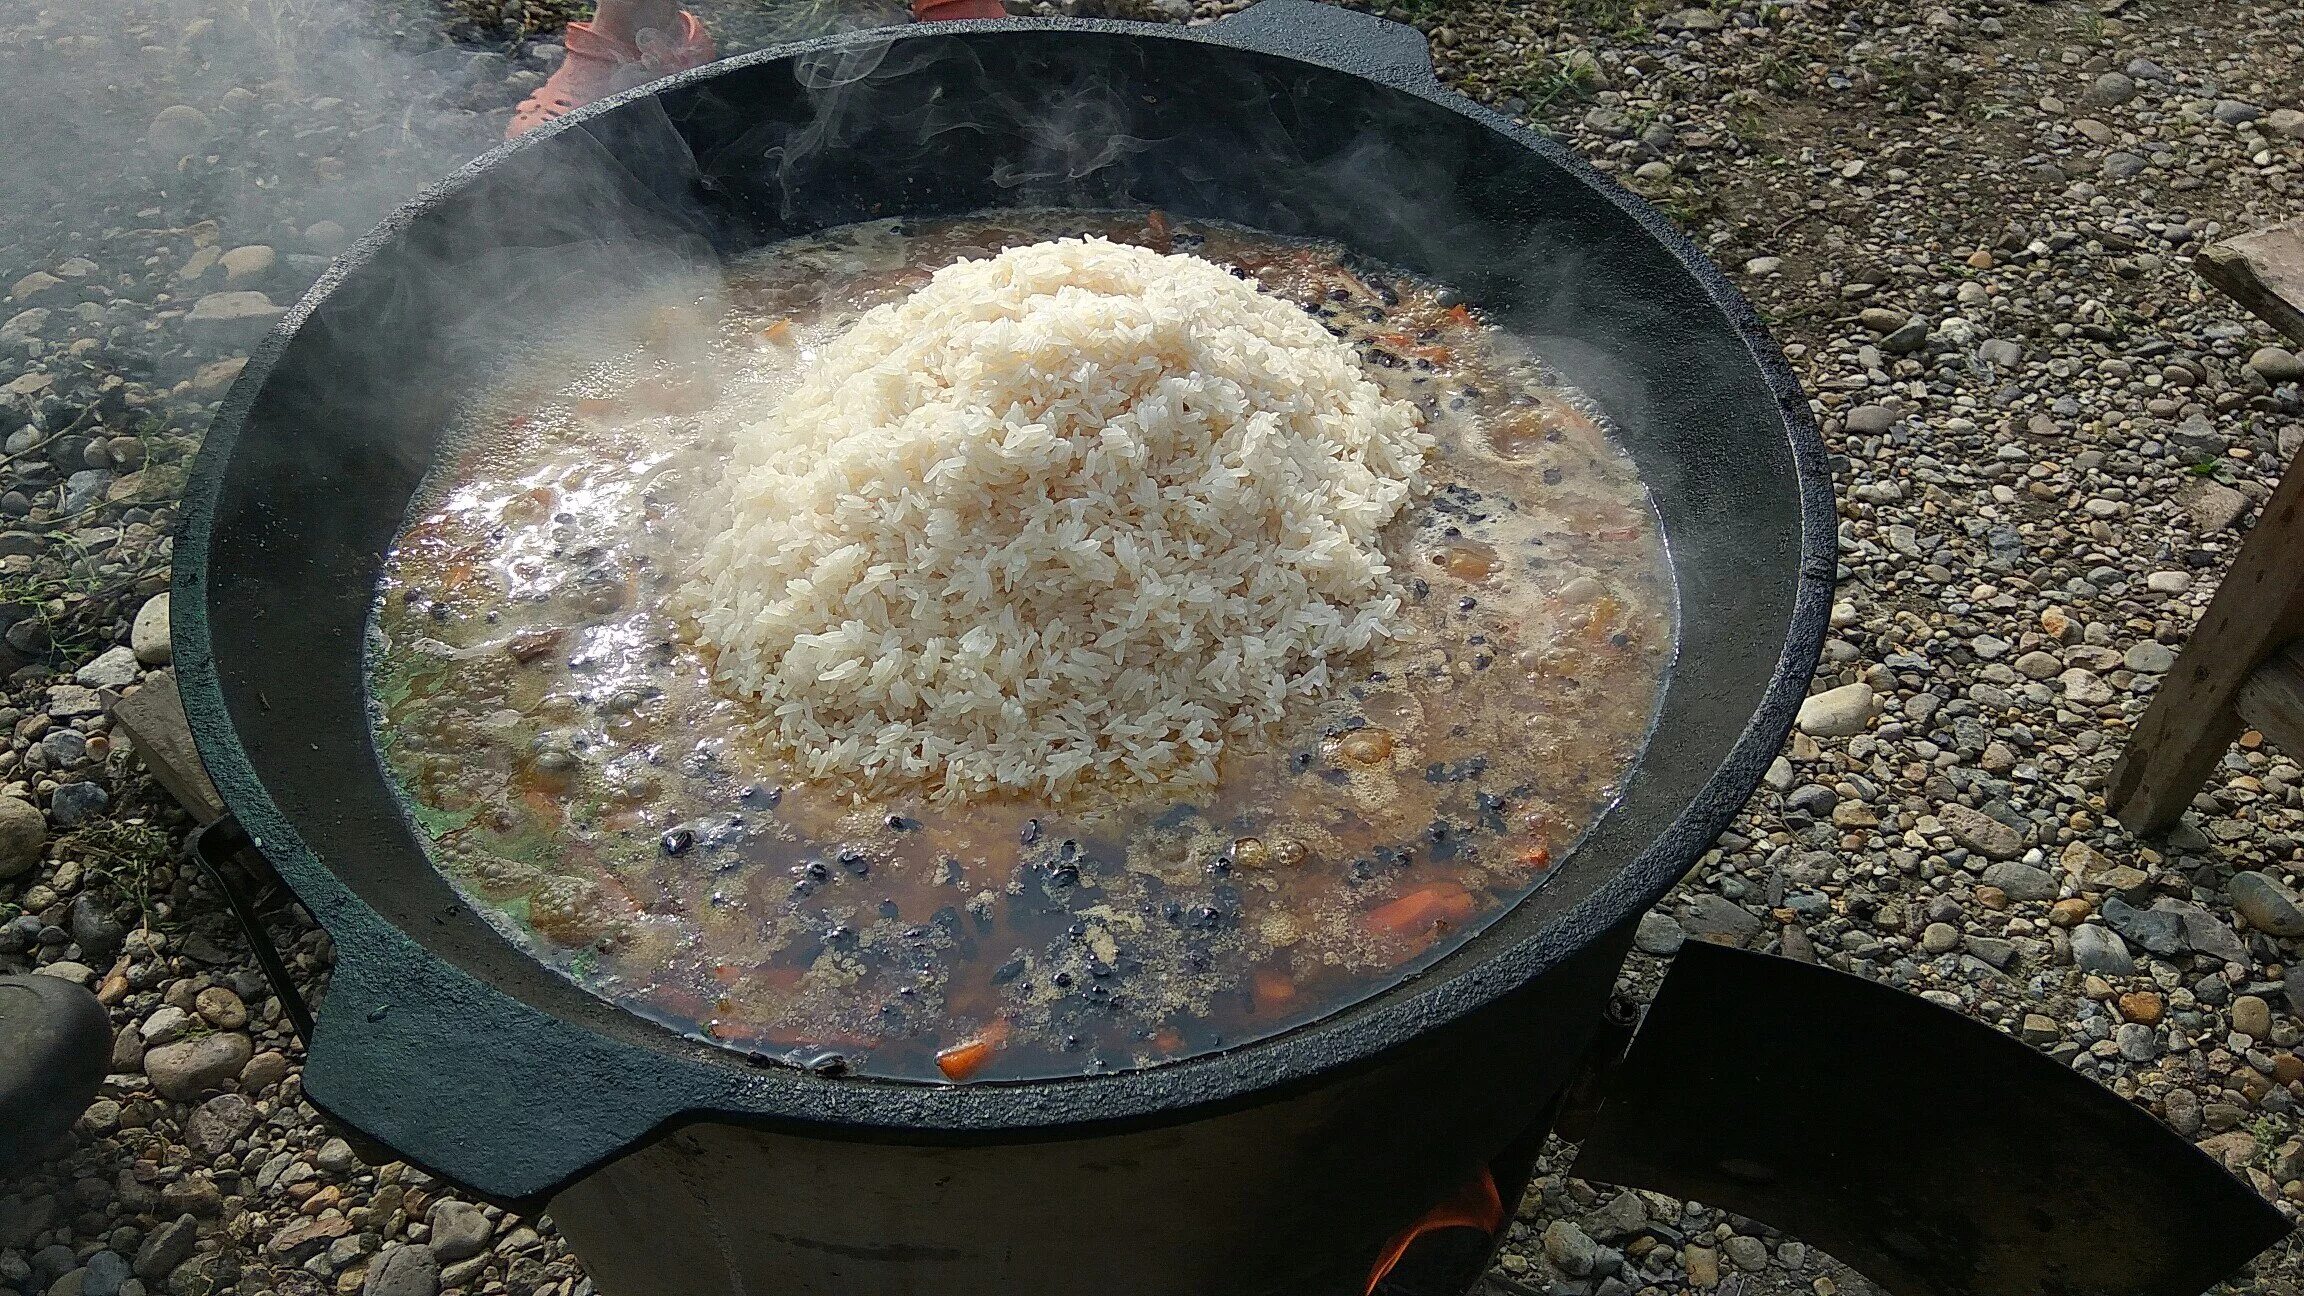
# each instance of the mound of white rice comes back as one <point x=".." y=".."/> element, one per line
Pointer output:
<point x="1078" y="511"/>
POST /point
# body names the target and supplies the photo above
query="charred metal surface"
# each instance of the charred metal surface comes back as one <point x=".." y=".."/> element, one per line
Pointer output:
<point x="1935" y="1154"/>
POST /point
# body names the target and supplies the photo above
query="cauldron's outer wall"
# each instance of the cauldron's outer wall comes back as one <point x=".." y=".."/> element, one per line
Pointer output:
<point x="1293" y="1197"/>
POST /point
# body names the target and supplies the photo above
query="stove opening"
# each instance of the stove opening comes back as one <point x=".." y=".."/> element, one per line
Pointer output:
<point x="1441" y="1264"/>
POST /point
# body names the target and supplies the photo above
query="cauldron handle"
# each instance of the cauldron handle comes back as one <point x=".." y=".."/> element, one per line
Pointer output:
<point x="1938" y="1156"/>
<point x="1363" y="44"/>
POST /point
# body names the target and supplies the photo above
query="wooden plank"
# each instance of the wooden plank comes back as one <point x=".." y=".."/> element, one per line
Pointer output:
<point x="153" y="717"/>
<point x="2193" y="719"/>
<point x="2264" y="272"/>
<point x="2272" y="701"/>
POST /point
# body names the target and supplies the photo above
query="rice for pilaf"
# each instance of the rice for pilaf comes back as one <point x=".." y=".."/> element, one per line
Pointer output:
<point x="1078" y="511"/>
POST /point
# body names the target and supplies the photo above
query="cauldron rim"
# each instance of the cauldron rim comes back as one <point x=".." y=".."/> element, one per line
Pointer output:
<point x="676" y="1087"/>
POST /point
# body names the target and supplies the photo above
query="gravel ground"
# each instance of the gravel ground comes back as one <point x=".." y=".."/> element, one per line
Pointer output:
<point x="1971" y="226"/>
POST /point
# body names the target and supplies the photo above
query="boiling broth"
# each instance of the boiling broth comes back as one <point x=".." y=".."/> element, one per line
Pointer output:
<point x="557" y="736"/>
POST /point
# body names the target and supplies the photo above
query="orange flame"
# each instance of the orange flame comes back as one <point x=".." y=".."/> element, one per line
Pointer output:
<point x="1474" y="1205"/>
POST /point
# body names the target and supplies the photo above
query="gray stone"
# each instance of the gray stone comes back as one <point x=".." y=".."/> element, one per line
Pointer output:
<point x="2150" y="657"/>
<point x="248" y="264"/>
<point x="2109" y="90"/>
<point x="459" y="1229"/>
<point x="71" y="701"/>
<point x="148" y="638"/>
<point x="326" y="237"/>
<point x="1622" y="1215"/>
<point x="2232" y="112"/>
<point x="1908" y="337"/>
<point x="1721" y="920"/>
<point x="93" y="928"/>
<point x="231" y="318"/>
<point x="1691" y="20"/>
<point x="406" y="1270"/>
<point x="1939" y="938"/>
<point x="186" y="1070"/>
<point x="2277" y="365"/>
<point x="23" y="831"/>
<point x="2021" y="881"/>
<point x="2084" y="687"/>
<point x="165" y="1024"/>
<point x="166" y="1247"/>
<point x="1837" y="713"/>
<point x="1992" y="949"/>
<point x="1870" y="420"/>
<point x="116" y="668"/>
<point x="1814" y="800"/>
<point x="84" y="489"/>
<point x="23" y="326"/>
<point x="107" y="1272"/>
<point x="64" y="748"/>
<point x="2212" y="506"/>
<point x="2000" y="353"/>
<point x="1659" y="934"/>
<point x="2136" y="1042"/>
<point x="215" y="1125"/>
<point x="1569" y="1248"/>
<point x="179" y="129"/>
<point x="2183" y="1109"/>
<point x="2203" y="932"/>
<point x="2038" y="665"/>
<point x="127" y="1053"/>
<point x="2267" y="905"/>
<point x="2155" y="930"/>
<point x="1980" y="832"/>
<point x="2251" y="1016"/>
<point x="2101" y="951"/>
<point x="336" y="1157"/>
<point x="67" y="970"/>
<point x="1749" y="1254"/>
<point x="2122" y="165"/>
<point x="1609" y="122"/>
<point x="76" y="803"/>
<point x="2285" y="123"/>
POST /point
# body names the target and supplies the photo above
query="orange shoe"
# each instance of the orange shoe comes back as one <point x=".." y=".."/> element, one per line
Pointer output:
<point x="949" y="10"/>
<point x="598" y="66"/>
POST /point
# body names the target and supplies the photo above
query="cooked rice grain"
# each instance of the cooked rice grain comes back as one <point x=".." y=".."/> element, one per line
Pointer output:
<point x="1078" y="511"/>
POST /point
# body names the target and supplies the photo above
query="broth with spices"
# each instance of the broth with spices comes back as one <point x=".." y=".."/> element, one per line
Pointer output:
<point x="558" y="739"/>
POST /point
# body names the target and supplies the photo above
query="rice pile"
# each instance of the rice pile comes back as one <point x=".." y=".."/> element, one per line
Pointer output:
<point x="1078" y="511"/>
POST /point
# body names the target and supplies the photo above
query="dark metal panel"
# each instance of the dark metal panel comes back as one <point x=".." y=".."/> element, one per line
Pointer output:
<point x="1937" y="1155"/>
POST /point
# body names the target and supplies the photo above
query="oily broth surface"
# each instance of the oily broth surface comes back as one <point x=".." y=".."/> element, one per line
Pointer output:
<point x="556" y="735"/>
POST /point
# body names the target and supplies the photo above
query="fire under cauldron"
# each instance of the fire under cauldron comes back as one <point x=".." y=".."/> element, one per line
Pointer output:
<point x="1929" y="1151"/>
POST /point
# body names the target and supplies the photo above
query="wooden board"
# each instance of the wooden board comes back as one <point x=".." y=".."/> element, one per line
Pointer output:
<point x="2272" y="701"/>
<point x="2264" y="272"/>
<point x="153" y="717"/>
<point x="2194" y="718"/>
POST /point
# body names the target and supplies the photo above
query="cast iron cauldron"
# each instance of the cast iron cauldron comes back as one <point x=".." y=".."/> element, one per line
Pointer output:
<point x="1278" y="1168"/>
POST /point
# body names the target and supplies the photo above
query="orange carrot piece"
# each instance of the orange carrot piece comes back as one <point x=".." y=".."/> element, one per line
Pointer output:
<point x="1274" y="989"/>
<point x="779" y="331"/>
<point x="968" y="1057"/>
<point x="1538" y="859"/>
<point x="1460" y="315"/>
<point x="1441" y="904"/>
